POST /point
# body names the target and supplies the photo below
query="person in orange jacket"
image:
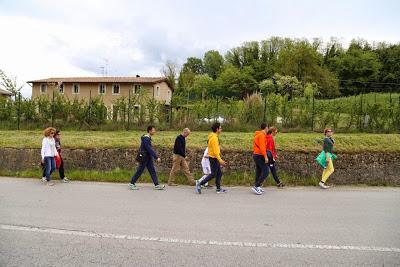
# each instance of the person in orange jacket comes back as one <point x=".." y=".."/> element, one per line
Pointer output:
<point x="260" y="158"/>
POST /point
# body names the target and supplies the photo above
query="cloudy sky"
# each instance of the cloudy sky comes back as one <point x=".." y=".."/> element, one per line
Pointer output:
<point x="47" y="38"/>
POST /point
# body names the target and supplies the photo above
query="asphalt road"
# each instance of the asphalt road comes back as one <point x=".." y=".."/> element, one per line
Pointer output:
<point x="103" y="224"/>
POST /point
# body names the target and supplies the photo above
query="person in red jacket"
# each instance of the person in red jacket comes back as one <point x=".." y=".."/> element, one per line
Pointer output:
<point x="272" y="155"/>
<point x="260" y="158"/>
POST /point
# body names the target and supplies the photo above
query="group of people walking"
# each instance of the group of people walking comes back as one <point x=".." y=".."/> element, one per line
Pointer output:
<point x="264" y="156"/>
<point x="51" y="156"/>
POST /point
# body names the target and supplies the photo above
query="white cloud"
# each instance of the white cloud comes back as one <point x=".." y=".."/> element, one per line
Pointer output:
<point x="45" y="38"/>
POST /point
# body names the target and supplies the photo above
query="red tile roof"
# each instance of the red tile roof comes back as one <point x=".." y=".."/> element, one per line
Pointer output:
<point x="151" y="80"/>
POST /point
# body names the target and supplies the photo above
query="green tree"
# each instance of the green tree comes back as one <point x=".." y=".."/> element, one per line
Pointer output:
<point x="389" y="56"/>
<point x="203" y="85"/>
<point x="213" y="63"/>
<point x="267" y="86"/>
<point x="169" y="70"/>
<point x="356" y="68"/>
<point x="194" y="65"/>
<point x="235" y="83"/>
<point x="288" y="85"/>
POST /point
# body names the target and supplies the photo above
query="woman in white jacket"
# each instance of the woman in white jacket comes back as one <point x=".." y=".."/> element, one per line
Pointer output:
<point x="49" y="151"/>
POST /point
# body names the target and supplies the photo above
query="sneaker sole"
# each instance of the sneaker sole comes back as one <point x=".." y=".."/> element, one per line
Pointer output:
<point x="323" y="187"/>
<point x="256" y="192"/>
<point x="159" y="188"/>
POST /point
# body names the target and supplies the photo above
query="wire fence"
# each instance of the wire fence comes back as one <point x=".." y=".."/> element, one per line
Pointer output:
<point x="372" y="112"/>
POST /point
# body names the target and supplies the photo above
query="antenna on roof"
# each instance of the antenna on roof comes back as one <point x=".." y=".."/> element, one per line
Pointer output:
<point x="102" y="70"/>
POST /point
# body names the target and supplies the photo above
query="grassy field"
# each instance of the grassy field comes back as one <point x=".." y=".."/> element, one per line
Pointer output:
<point x="229" y="140"/>
<point x="370" y="98"/>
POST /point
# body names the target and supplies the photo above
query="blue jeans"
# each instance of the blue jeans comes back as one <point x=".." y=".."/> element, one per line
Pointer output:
<point x="50" y="166"/>
<point x="215" y="172"/>
<point x="150" y="167"/>
<point x="261" y="169"/>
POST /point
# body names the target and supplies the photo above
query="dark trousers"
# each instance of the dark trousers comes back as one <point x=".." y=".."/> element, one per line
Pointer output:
<point x="261" y="169"/>
<point x="49" y="167"/>
<point x="150" y="167"/>
<point x="215" y="172"/>
<point x="60" y="170"/>
<point x="272" y="167"/>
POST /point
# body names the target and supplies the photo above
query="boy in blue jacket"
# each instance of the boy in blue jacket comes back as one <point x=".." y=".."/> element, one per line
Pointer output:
<point x="148" y="155"/>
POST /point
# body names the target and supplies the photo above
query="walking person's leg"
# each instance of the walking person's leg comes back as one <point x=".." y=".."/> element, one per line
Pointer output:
<point x="61" y="170"/>
<point x="327" y="172"/>
<point x="206" y="172"/>
<point x="186" y="171"/>
<point x="153" y="175"/>
<point x="264" y="172"/>
<point x="175" y="168"/>
<point x="213" y="173"/>
<point x="218" y="178"/>
<point x="53" y="165"/>
<point x="43" y="165"/>
<point x="50" y="164"/>
<point x="261" y="174"/>
<point x="137" y="174"/>
<point x="258" y="170"/>
<point x="47" y="168"/>
<point x="205" y="180"/>
<point x="274" y="172"/>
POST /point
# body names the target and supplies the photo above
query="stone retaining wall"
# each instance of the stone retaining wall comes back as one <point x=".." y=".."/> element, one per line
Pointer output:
<point x="349" y="168"/>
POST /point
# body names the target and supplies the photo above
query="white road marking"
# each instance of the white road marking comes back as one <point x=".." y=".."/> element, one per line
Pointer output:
<point x="196" y="242"/>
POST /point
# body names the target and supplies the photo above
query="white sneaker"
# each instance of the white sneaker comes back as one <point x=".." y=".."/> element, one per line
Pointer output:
<point x="323" y="185"/>
<point x="65" y="180"/>
<point x="256" y="191"/>
<point x="44" y="179"/>
<point x="260" y="189"/>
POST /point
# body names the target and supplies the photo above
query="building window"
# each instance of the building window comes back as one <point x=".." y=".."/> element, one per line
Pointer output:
<point x="115" y="89"/>
<point x="43" y="88"/>
<point x="75" y="88"/>
<point x="137" y="88"/>
<point x="102" y="89"/>
<point x="61" y="88"/>
<point x="158" y="91"/>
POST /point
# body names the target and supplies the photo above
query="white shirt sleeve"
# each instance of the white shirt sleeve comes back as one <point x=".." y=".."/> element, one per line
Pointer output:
<point x="44" y="144"/>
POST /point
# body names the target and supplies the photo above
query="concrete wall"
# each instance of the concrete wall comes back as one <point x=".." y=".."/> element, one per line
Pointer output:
<point x="349" y="168"/>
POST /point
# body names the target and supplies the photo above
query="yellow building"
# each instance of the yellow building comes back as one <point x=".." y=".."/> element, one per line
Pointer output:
<point x="108" y="88"/>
